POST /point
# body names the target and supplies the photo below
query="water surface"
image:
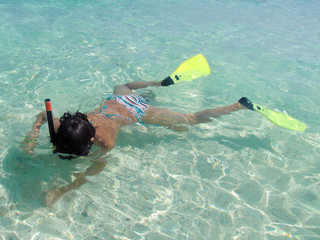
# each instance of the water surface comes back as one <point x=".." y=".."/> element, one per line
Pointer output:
<point x="239" y="177"/>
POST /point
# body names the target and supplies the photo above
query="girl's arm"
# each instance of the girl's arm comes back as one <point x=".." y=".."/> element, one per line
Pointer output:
<point x="30" y="140"/>
<point x="96" y="167"/>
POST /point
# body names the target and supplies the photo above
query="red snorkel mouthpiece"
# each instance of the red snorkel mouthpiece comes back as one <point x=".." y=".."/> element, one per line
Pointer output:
<point x="50" y="120"/>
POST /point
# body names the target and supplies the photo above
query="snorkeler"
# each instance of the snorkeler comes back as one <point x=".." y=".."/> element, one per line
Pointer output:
<point x="74" y="134"/>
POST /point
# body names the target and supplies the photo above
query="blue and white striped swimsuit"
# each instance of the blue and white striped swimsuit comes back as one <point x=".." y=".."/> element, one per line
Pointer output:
<point x="134" y="103"/>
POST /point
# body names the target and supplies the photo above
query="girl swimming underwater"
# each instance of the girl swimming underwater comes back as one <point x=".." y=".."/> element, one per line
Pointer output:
<point x="76" y="133"/>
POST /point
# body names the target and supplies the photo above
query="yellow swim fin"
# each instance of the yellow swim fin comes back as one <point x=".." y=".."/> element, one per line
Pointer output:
<point x="190" y="69"/>
<point x="277" y="118"/>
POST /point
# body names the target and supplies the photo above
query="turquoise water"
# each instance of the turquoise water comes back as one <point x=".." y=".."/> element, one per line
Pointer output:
<point x="239" y="177"/>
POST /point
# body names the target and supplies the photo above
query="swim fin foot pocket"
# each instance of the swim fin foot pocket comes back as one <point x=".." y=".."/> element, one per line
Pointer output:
<point x="246" y="103"/>
<point x="167" y="82"/>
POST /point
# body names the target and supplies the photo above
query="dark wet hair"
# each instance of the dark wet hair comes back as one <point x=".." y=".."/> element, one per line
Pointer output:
<point x="74" y="134"/>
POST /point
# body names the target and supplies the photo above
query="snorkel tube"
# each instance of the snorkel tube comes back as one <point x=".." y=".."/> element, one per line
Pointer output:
<point x="50" y="120"/>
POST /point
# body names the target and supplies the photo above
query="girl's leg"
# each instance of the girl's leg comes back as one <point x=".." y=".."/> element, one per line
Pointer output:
<point x="165" y="117"/>
<point x="206" y="115"/>
<point x="126" y="89"/>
